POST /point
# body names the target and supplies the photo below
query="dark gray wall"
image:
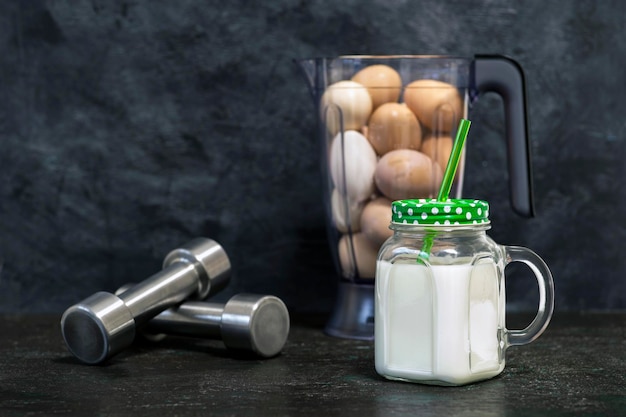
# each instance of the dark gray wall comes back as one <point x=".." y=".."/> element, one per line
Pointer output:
<point x="129" y="127"/>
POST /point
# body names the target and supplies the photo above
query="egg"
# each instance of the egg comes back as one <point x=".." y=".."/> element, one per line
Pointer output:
<point x="382" y="82"/>
<point x="346" y="213"/>
<point x="357" y="255"/>
<point x="405" y="173"/>
<point x="375" y="220"/>
<point x="438" y="148"/>
<point x="394" y="126"/>
<point x="352" y="165"/>
<point x="346" y="101"/>
<point x="437" y="104"/>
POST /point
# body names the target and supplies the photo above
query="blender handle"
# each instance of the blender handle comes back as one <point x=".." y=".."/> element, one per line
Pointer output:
<point x="504" y="76"/>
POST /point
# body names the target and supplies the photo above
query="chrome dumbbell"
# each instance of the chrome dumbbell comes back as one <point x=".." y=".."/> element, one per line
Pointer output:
<point x="249" y="323"/>
<point x="103" y="324"/>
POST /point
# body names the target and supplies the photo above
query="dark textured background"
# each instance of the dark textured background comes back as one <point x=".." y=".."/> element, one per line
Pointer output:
<point x="129" y="127"/>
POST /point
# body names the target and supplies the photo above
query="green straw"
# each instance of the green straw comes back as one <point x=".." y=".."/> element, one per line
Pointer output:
<point x="448" y="178"/>
<point x="453" y="162"/>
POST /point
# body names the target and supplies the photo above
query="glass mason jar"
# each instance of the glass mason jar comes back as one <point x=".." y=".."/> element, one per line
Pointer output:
<point x="440" y="295"/>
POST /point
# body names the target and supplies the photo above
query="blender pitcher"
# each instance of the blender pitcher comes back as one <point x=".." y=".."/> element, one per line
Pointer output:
<point x="386" y="128"/>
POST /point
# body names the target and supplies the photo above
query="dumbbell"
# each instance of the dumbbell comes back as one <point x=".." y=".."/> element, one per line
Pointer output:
<point x="103" y="324"/>
<point x="248" y="323"/>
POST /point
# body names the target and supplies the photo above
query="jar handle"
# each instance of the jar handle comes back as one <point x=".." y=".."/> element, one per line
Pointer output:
<point x="546" y="295"/>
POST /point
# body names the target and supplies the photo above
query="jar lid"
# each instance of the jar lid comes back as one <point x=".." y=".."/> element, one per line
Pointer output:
<point x="426" y="211"/>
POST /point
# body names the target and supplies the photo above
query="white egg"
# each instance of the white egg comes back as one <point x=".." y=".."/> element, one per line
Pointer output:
<point x="352" y="165"/>
<point x="346" y="213"/>
<point x="346" y="103"/>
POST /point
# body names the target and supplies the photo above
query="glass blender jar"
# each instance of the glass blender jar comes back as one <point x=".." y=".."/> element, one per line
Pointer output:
<point x="386" y="126"/>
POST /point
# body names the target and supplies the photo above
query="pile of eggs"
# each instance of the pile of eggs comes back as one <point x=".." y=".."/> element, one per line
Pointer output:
<point x="388" y="142"/>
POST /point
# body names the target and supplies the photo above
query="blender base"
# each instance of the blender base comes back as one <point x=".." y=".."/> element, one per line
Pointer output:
<point x="353" y="315"/>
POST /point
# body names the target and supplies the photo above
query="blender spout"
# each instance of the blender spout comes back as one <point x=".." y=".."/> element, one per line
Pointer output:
<point x="309" y="69"/>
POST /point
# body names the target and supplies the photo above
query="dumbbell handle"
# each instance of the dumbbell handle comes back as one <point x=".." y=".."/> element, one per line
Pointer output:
<point x="193" y="318"/>
<point x="163" y="289"/>
<point x="182" y="275"/>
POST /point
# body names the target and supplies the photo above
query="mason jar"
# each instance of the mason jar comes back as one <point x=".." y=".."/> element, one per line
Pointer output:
<point x="440" y="295"/>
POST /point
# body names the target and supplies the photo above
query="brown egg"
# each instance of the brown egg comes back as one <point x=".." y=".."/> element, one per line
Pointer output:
<point x="375" y="220"/>
<point x="357" y="255"/>
<point x="354" y="102"/>
<point x="394" y="126"/>
<point x="382" y="82"/>
<point x="405" y="173"/>
<point x="437" y="105"/>
<point x="438" y="148"/>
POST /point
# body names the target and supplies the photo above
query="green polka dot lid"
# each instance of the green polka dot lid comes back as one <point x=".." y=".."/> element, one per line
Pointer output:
<point x="426" y="211"/>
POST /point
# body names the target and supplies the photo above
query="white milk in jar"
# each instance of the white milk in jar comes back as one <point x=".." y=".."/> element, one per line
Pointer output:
<point x="440" y="295"/>
<point x="441" y="322"/>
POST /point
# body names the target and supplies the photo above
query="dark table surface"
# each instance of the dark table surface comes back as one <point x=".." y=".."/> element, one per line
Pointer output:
<point x="577" y="368"/>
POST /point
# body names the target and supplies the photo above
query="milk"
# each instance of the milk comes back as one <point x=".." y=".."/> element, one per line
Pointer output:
<point x="440" y="324"/>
